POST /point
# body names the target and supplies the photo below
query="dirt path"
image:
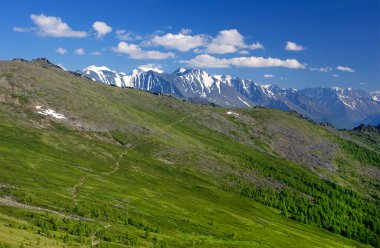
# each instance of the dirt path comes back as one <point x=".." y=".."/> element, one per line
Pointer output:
<point x="8" y="201"/>
<point x="74" y="190"/>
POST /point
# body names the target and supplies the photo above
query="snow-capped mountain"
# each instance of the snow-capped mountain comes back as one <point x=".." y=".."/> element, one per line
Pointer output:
<point x="343" y="108"/>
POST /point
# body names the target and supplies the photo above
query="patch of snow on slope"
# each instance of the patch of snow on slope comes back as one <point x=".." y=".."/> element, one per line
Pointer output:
<point x="232" y="113"/>
<point x="206" y="79"/>
<point x="343" y="99"/>
<point x="244" y="102"/>
<point x="50" y="112"/>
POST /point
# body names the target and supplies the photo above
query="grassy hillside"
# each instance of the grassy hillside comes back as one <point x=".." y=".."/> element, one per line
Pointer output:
<point x="128" y="168"/>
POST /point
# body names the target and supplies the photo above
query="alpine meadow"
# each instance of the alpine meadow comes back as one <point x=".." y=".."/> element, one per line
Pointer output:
<point x="225" y="135"/>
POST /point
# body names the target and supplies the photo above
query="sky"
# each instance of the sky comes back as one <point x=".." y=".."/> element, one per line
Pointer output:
<point x="294" y="43"/>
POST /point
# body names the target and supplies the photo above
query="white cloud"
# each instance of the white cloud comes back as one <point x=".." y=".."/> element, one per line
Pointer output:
<point x="205" y="60"/>
<point x="80" y="51"/>
<point x="256" y="46"/>
<point x="269" y="76"/>
<point x="227" y="41"/>
<point x="151" y="67"/>
<point x="322" y="69"/>
<point x="292" y="46"/>
<point x="60" y="50"/>
<point x="23" y="30"/>
<point x="54" y="27"/>
<point x="135" y="52"/>
<point x="335" y="75"/>
<point x="101" y="29"/>
<point x="182" y="41"/>
<point x="230" y="41"/>
<point x="96" y="53"/>
<point x="243" y="52"/>
<point x="345" y="69"/>
<point x="266" y="62"/>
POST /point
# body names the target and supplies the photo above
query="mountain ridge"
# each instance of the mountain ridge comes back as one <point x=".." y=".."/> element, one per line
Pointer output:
<point x="343" y="108"/>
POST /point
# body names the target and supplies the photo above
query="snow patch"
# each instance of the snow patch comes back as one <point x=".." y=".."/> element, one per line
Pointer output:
<point x="181" y="70"/>
<point x="50" y="112"/>
<point x="244" y="102"/>
<point x="232" y="113"/>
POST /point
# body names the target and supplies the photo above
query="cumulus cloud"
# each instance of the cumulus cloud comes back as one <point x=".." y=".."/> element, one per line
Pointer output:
<point x="79" y="51"/>
<point x="135" y="52"/>
<point x="243" y="52"/>
<point x="269" y="76"/>
<point x="54" y="27"/>
<point x="345" y="68"/>
<point x="256" y="46"/>
<point x="266" y="62"/>
<point x="205" y="60"/>
<point x="101" y="29"/>
<point x="229" y="41"/>
<point x="60" y="50"/>
<point x="151" y="67"/>
<point x="292" y="46"/>
<point x="321" y="69"/>
<point x="182" y="41"/>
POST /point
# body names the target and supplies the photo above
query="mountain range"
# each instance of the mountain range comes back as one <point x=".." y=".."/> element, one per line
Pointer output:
<point x="342" y="108"/>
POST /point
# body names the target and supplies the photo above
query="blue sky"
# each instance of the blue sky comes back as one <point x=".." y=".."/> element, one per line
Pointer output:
<point x="292" y="43"/>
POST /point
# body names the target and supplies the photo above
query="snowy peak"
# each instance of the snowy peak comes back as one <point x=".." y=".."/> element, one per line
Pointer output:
<point x="179" y="71"/>
<point x="375" y="95"/>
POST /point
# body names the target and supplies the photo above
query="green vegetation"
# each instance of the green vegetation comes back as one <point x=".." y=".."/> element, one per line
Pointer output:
<point x="132" y="169"/>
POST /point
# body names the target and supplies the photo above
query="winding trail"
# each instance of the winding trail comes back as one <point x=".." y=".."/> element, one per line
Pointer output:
<point x="8" y="201"/>
<point x="74" y="190"/>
